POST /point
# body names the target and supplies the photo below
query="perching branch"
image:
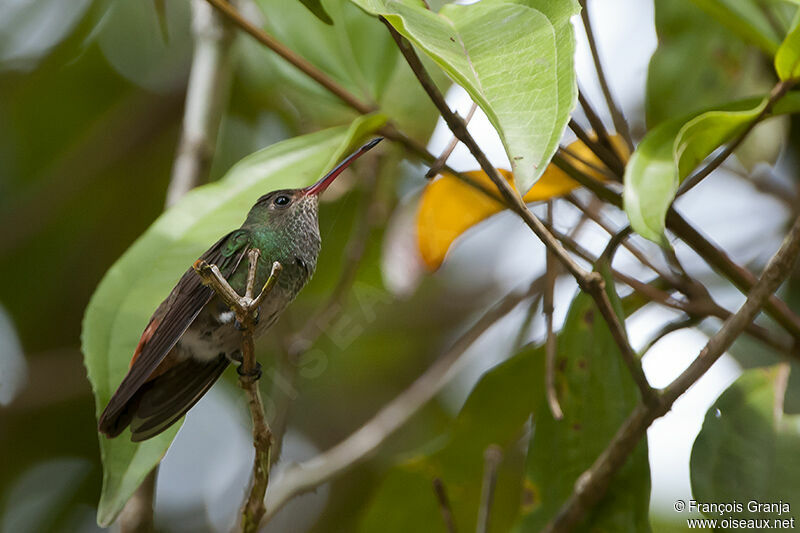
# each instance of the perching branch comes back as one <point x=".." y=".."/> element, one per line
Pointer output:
<point x="245" y="309"/>
<point x="364" y="441"/>
<point x="205" y="101"/>
<point x="592" y="485"/>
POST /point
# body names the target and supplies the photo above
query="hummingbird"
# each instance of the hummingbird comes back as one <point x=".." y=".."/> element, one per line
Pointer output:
<point x="193" y="335"/>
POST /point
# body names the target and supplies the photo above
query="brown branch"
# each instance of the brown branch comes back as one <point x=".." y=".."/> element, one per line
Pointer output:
<point x="617" y="117"/>
<point x="292" y="57"/>
<point x="684" y="322"/>
<point x="246" y="309"/>
<point x="606" y="155"/>
<point x="444" y="505"/>
<point x="592" y="485"/>
<point x="437" y="165"/>
<point x="777" y="92"/>
<point x="603" y="170"/>
<point x="492" y="458"/>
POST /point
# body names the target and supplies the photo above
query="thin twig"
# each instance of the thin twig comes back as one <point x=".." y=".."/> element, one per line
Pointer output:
<point x="550" y="344"/>
<point x="670" y="327"/>
<point x="292" y="57"/>
<point x="777" y="92"/>
<point x="364" y="441"/>
<point x="617" y="117"/>
<point x="246" y="308"/>
<point x="592" y="485"/>
<point x="206" y="95"/>
<point x="492" y="458"/>
<point x="603" y="170"/>
<point x="444" y="505"/>
<point x="597" y="124"/>
<point x="437" y="165"/>
<point x="607" y="156"/>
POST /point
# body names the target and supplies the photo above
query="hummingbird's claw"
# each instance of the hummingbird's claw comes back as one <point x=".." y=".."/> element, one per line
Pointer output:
<point x="236" y="356"/>
<point x="238" y="325"/>
<point x="255" y="374"/>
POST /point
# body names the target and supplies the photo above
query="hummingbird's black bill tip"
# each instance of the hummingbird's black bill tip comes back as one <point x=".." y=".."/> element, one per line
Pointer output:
<point x="322" y="184"/>
<point x="372" y="143"/>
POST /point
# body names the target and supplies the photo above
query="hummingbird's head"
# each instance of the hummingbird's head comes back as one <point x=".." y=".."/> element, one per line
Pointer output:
<point x="296" y="209"/>
<point x="293" y="207"/>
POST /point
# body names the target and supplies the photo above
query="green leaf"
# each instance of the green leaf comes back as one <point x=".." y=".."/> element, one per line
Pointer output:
<point x="596" y="394"/>
<point x="514" y="58"/>
<point x="747" y="448"/>
<point x="787" y="59"/>
<point x="672" y="150"/>
<point x="746" y="19"/>
<point x="495" y="413"/>
<point x="316" y="7"/>
<point x="144" y="275"/>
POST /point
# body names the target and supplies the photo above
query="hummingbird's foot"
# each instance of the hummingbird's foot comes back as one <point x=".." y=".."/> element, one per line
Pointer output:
<point x="238" y="325"/>
<point x="236" y="356"/>
<point x="256" y="316"/>
<point x="255" y="374"/>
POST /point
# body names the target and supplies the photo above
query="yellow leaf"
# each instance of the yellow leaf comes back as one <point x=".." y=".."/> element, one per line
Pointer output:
<point x="449" y="207"/>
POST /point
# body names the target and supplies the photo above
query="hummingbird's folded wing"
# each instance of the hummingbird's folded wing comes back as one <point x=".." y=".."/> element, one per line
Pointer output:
<point x="170" y="321"/>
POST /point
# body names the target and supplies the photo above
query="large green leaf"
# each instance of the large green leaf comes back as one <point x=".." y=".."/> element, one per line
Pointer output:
<point x="747" y="448"/>
<point x="495" y="413"/>
<point x="596" y="393"/>
<point x="746" y="19"/>
<point x="672" y="150"/>
<point x="514" y="58"/>
<point x="143" y="276"/>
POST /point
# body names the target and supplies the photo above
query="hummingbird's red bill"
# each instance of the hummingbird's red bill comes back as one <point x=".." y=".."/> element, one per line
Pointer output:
<point x="323" y="184"/>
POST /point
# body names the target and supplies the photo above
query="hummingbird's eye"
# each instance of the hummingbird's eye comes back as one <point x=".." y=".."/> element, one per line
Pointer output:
<point x="282" y="200"/>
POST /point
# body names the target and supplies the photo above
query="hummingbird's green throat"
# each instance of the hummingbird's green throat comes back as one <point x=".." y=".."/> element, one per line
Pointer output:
<point x="191" y="337"/>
